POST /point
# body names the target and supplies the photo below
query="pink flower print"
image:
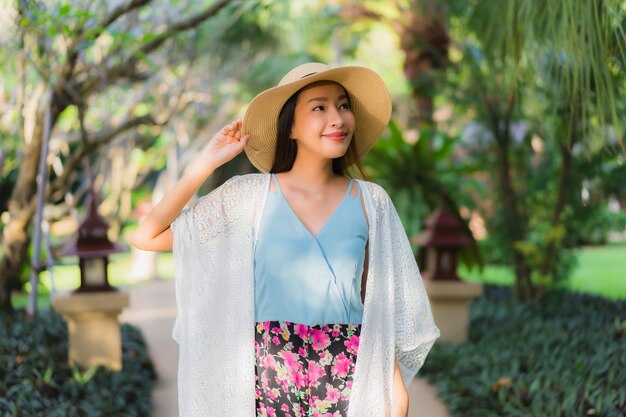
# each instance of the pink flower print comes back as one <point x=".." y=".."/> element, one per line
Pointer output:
<point x="273" y="393"/>
<point x="266" y="326"/>
<point x="281" y="374"/>
<point x="277" y="330"/>
<point x="320" y="339"/>
<point x="268" y="361"/>
<point x="336" y="330"/>
<point x="302" y="352"/>
<point x="276" y="340"/>
<point x="349" y="384"/>
<point x="315" y="373"/>
<point x="301" y="330"/>
<point x="352" y="345"/>
<point x="271" y="412"/>
<point x="285" y="334"/>
<point x="332" y="394"/>
<point x="284" y="407"/>
<point x="298" y="379"/>
<point x="290" y="360"/>
<point x="325" y="358"/>
<point x="341" y="367"/>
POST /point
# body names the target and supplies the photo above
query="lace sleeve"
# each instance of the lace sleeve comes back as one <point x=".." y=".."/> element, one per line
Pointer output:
<point x="199" y="222"/>
<point x="415" y="329"/>
<point x="207" y="216"/>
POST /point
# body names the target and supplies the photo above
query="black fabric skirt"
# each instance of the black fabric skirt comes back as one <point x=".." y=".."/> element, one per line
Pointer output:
<point x="304" y="370"/>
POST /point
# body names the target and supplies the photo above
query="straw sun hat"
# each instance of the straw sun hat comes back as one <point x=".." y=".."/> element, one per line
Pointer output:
<point x="369" y="98"/>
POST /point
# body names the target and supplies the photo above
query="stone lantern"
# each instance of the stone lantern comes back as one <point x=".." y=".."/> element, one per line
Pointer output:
<point x="92" y="310"/>
<point x="449" y="296"/>
<point x="440" y="242"/>
<point x="93" y="247"/>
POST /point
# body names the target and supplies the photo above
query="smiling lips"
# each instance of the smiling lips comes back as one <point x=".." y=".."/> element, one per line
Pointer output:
<point x="336" y="136"/>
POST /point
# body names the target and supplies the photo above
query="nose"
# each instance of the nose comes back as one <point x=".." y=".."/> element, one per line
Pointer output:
<point x="336" y="119"/>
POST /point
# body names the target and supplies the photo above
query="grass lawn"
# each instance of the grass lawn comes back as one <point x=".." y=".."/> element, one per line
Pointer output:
<point x="67" y="277"/>
<point x="601" y="270"/>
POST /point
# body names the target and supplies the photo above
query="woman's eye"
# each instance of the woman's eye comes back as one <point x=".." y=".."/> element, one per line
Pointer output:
<point x="318" y="108"/>
<point x="345" y="106"/>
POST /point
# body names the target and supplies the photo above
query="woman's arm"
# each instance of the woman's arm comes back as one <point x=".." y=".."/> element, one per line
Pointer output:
<point x="400" y="400"/>
<point x="154" y="232"/>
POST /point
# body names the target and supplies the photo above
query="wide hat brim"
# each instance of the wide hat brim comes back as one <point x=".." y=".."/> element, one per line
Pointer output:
<point x="369" y="98"/>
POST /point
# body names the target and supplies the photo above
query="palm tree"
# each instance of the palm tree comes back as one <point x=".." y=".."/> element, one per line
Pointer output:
<point x="576" y="51"/>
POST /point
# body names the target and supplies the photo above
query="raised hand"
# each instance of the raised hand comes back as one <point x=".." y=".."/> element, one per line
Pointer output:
<point x="154" y="232"/>
<point x="225" y="145"/>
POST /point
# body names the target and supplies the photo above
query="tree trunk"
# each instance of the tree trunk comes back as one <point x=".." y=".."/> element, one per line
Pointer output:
<point x="425" y="41"/>
<point x="15" y="237"/>
<point x="551" y="253"/>
<point x="523" y="285"/>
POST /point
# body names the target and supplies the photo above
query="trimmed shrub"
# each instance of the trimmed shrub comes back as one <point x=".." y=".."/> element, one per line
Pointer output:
<point x="36" y="379"/>
<point x="564" y="358"/>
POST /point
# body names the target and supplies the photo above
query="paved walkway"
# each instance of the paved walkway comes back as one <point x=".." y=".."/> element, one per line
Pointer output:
<point x="153" y="309"/>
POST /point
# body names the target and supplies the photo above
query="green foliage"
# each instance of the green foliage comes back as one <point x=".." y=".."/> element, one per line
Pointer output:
<point x="419" y="175"/>
<point x="563" y="358"/>
<point x="581" y="44"/>
<point x="36" y="379"/>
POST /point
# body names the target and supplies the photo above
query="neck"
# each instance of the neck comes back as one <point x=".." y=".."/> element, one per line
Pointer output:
<point x="311" y="172"/>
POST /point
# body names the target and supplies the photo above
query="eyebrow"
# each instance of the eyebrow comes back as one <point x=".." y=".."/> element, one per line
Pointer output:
<point x="325" y="99"/>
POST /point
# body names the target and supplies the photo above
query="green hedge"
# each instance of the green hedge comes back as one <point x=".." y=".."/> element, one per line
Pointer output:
<point x="36" y="379"/>
<point x="566" y="357"/>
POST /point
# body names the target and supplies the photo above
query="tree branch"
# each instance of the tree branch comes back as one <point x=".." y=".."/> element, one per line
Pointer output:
<point x="126" y="68"/>
<point x="97" y="140"/>
<point x="118" y="12"/>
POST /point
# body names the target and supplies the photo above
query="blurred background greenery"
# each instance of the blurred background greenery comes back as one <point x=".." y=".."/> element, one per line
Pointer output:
<point x="509" y="112"/>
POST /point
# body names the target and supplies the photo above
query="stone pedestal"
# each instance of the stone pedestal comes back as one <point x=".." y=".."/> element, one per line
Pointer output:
<point x="450" y="301"/>
<point x="93" y="327"/>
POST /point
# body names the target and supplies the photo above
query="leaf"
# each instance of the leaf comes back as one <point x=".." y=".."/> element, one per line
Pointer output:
<point x="64" y="10"/>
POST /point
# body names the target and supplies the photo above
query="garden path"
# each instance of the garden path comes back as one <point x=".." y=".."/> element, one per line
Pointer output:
<point x="153" y="310"/>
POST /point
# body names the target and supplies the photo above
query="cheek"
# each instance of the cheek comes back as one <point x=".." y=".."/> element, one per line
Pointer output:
<point x="349" y="120"/>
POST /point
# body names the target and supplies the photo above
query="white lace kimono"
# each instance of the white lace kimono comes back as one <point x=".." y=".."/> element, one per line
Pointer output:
<point x="213" y="255"/>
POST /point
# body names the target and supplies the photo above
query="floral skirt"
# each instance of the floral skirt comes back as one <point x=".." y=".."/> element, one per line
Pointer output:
<point x="304" y="370"/>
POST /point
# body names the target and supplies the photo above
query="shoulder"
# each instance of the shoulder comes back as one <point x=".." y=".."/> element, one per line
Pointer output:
<point x="237" y="188"/>
<point x="376" y="192"/>
<point x="247" y="181"/>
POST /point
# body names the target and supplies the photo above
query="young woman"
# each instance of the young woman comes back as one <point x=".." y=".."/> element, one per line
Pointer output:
<point x="297" y="291"/>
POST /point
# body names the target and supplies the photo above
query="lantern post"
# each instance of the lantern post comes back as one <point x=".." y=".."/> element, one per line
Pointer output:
<point x="439" y="244"/>
<point x="92" y="310"/>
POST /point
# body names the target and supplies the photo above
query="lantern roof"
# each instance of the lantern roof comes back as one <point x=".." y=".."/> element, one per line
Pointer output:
<point x="442" y="229"/>
<point x="92" y="240"/>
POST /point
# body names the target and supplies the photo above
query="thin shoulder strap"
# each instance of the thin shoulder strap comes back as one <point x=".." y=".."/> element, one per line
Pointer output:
<point x="276" y="181"/>
<point x="350" y="187"/>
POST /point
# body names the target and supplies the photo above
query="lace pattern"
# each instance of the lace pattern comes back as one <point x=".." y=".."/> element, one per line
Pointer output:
<point x="213" y="251"/>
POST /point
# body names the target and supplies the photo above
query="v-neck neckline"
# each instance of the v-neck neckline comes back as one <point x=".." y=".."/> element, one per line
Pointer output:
<point x="316" y="236"/>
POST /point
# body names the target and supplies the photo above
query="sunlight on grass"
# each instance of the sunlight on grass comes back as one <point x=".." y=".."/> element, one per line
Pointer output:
<point x="67" y="277"/>
<point x="600" y="270"/>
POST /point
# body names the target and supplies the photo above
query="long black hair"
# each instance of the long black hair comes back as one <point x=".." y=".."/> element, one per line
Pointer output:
<point x="287" y="148"/>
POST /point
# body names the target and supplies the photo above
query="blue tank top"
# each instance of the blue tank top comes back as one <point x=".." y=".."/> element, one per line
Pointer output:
<point x="307" y="279"/>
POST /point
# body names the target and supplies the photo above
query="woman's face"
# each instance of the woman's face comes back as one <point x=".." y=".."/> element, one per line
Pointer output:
<point x="323" y="123"/>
